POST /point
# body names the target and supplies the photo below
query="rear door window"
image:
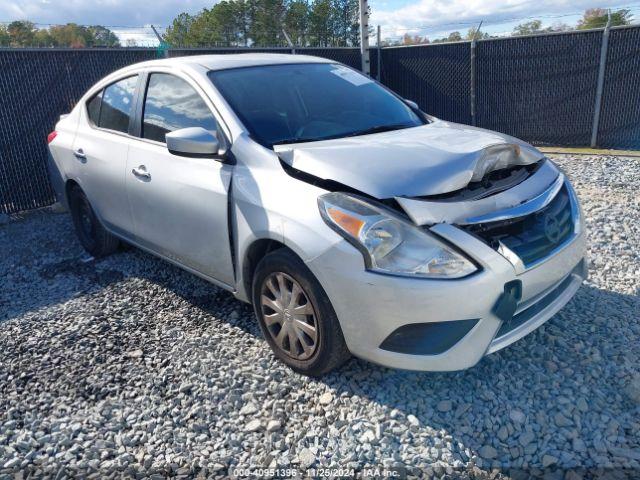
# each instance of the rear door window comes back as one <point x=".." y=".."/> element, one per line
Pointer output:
<point x="117" y="105"/>
<point x="171" y="104"/>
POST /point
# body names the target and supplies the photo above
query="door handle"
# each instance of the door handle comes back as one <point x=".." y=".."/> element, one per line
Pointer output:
<point x="141" y="172"/>
<point x="79" y="154"/>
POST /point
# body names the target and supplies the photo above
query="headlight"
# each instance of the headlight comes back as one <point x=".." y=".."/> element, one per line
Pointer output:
<point x="389" y="243"/>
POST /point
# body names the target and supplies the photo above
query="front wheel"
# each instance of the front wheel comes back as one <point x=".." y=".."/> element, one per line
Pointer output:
<point x="296" y="316"/>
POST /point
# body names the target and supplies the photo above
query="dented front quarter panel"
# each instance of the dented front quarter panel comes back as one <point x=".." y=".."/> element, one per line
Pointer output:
<point x="266" y="203"/>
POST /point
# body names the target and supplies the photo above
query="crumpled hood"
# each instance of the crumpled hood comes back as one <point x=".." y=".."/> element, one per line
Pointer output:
<point x="436" y="158"/>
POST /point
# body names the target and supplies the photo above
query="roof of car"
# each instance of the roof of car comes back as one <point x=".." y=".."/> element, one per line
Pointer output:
<point x="237" y="60"/>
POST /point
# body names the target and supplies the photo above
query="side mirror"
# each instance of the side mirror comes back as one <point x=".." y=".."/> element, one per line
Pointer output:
<point x="193" y="142"/>
<point x="412" y="104"/>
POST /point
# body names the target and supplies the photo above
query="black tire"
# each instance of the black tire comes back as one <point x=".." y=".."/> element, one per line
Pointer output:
<point x="330" y="348"/>
<point x="92" y="235"/>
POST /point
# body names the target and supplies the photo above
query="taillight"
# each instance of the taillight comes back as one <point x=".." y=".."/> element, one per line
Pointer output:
<point x="51" y="136"/>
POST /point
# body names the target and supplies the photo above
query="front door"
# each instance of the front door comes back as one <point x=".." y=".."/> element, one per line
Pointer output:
<point x="179" y="204"/>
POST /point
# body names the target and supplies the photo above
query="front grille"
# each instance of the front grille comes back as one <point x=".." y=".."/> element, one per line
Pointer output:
<point x="534" y="236"/>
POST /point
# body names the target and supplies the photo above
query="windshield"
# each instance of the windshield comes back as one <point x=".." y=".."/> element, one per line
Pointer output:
<point x="309" y="102"/>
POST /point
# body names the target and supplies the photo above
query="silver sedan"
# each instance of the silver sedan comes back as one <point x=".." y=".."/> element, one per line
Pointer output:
<point x="351" y="220"/>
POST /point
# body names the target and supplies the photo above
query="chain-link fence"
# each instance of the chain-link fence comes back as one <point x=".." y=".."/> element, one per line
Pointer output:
<point x="542" y="89"/>
<point x="620" y="116"/>
<point x="36" y="87"/>
<point x="436" y="77"/>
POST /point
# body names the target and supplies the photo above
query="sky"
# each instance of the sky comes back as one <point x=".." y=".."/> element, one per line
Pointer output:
<point x="432" y="18"/>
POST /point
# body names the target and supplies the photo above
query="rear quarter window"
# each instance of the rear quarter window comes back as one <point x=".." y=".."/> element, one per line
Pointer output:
<point x="93" y="108"/>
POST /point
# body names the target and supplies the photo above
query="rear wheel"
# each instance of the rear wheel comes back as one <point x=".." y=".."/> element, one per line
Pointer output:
<point x="92" y="235"/>
<point x="296" y="316"/>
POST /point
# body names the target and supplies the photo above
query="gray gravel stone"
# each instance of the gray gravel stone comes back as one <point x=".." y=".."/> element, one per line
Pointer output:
<point x="253" y="426"/>
<point x="413" y="420"/>
<point x="487" y="451"/>
<point x="306" y="457"/>
<point x="274" y="425"/>
<point x="526" y="438"/>
<point x="517" y="416"/>
<point x="77" y="397"/>
<point x="326" y="398"/>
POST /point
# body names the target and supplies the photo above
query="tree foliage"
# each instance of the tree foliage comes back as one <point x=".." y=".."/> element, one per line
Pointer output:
<point x="597" y="18"/>
<point x="534" y="27"/>
<point x="260" y="23"/>
<point x="22" y="33"/>
<point x="528" y="28"/>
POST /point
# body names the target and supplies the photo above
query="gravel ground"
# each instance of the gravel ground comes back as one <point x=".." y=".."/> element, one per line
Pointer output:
<point x="129" y="366"/>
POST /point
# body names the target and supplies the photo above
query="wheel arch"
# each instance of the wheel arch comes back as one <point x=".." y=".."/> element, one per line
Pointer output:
<point x="69" y="185"/>
<point x="255" y="252"/>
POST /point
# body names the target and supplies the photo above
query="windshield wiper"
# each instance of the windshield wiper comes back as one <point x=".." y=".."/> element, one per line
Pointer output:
<point x="366" y="131"/>
<point x="295" y="140"/>
<point x="378" y="129"/>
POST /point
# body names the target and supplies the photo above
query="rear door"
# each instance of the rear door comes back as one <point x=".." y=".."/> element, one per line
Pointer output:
<point x="100" y="149"/>
<point x="179" y="204"/>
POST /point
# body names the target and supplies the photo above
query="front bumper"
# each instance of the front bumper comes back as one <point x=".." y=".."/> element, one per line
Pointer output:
<point x="371" y="306"/>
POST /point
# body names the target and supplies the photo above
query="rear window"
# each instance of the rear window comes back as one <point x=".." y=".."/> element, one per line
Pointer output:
<point x="112" y="107"/>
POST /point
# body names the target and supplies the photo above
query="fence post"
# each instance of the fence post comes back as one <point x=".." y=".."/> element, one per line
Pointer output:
<point x="364" y="36"/>
<point x="379" y="69"/>
<point x="600" y="86"/>
<point x="291" y="45"/>
<point x="472" y="86"/>
<point x="162" y="46"/>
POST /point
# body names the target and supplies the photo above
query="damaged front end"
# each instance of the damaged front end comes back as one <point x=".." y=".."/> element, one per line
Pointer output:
<point x="484" y="255"/>
<point x="498" y="189"/>
<point x="525" y="223"/>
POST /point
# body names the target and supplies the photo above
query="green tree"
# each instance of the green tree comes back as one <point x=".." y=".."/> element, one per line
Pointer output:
<point x="102" y="36"/>
<point x="178" y="33"/>
<point x="473" y="32"/>
<point x="408" y="39"/>
<point x="528" y="28"/>
<point x="597" y="18"/>
<point x="453" y="37"/>
<point x="345" y="22"/>
<point x="70" y="35"/>
<point x="296" y="21"/>
<point x="266" y="29"/>
<point x="320" y="28"/>
<point x="21" y="33"/>
<point x="261" y="22"/>
<point x="5" y="38"/>
<point x="42" y="38"/>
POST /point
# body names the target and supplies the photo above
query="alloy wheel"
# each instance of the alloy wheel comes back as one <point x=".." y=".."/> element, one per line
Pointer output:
<point x="289" y="316"/>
